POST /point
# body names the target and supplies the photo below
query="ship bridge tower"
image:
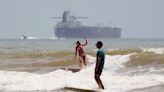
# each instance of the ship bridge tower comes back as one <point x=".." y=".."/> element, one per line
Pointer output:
<point x="66" y="17"/>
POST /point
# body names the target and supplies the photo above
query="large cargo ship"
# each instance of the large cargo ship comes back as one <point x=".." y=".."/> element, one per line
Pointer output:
<point x="70" y="27"/>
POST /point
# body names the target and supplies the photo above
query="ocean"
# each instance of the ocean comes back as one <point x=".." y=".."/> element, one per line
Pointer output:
<point x="35" y="65"/>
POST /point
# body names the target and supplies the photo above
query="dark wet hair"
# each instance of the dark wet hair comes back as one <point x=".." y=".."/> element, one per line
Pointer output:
<point x="78" y="42"/>
<point x="100" y="43"/>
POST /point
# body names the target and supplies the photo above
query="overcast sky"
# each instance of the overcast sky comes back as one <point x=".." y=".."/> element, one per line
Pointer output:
<point x="137" y="18"/>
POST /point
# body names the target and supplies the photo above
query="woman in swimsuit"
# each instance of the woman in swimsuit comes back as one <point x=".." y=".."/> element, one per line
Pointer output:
<point x="82" y="55"/>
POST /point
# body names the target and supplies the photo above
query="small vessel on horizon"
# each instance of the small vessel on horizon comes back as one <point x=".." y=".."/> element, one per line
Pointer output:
<point x="69" y="27"/>
<point x="24" y="37"/>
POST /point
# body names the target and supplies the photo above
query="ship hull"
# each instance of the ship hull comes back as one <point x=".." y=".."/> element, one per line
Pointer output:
<point x="89" y="32"/>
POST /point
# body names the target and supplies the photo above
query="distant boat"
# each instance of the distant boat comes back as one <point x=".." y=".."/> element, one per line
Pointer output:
<point x="24" y="37"/>
<point x="69" y="27"/>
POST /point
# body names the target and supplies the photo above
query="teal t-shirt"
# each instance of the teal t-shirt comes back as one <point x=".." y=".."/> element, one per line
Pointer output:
<point x="101" y="54"/>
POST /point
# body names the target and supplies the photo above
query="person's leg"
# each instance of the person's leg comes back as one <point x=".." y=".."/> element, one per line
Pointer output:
<point x="80" y="62"/>
<point x="84" y="60"/>
<point x="101" y="85"/>
<point x="99" y="82"/>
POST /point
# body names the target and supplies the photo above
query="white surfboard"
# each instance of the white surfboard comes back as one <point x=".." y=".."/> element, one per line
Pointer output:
<point x="81" y="89"/>
<point x="71" y="69"/>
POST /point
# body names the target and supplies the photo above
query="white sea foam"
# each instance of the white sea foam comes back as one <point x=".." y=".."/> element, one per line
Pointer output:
<point x="113" y="82"/>
<point x="53" y="38"/>
<point x="155" y="50"/>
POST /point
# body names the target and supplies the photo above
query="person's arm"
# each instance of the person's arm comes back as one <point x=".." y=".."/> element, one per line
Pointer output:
<point x="85" y="42"/>
<point x="75" y="52"/>
<point x="98" y="61"/>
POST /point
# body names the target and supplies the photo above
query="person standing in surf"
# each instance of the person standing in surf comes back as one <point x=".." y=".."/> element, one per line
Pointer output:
<point x="82" y="55"/>
<point x="100" y="59"/>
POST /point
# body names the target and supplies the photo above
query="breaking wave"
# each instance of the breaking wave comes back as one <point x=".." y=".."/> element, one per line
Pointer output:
<point x="57" y="79"/>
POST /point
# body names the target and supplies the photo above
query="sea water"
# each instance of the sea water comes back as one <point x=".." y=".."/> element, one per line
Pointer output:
<point x="35" y="65"/>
